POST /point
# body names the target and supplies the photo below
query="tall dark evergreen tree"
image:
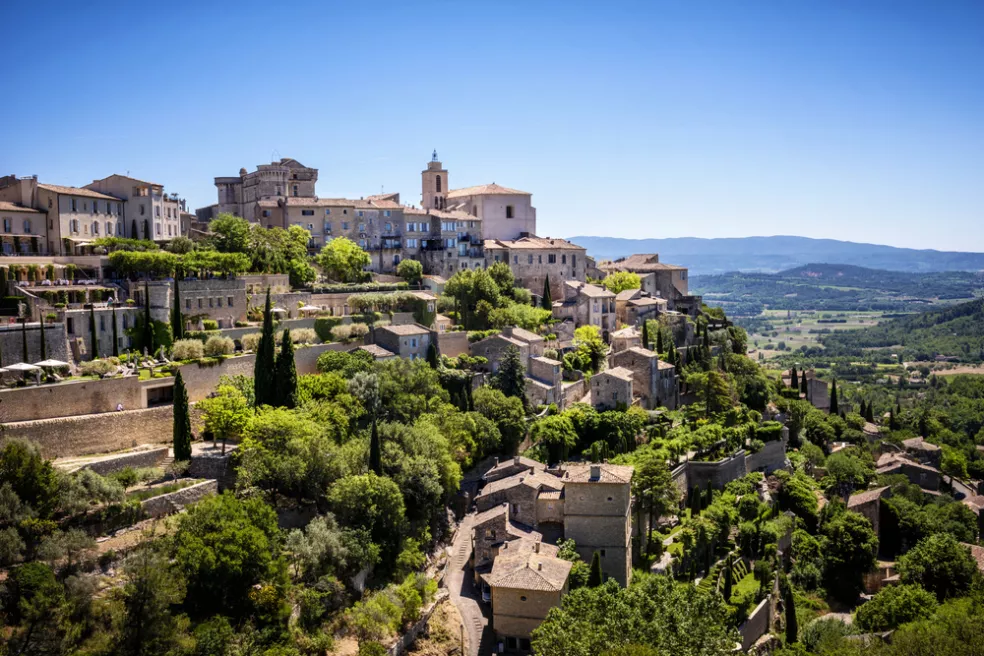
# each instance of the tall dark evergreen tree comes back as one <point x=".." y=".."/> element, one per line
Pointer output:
<point x="803" y="383"/>
<point x="792" y="628"/>
<point x="133" y="230"/>
<point x="148" y="323"/>
<point x="44" y="343"/>
<point x="707" y="341"/>
<point x="645" y="334"/>
<point x="177" y="325"/>
<point x="727" y="583"/>
<point x="116" y="337"/>
<point x="546" y="302"/>
<point x="432" y="356"/>
<point x="794" y="379"/>
<point x="659" y="341"/>
<point x="893" y="424"/>
<point x="286" y="384"/>
<point x="596" y="577"/>
<point x="264" y="373"/>
<point x="182" y="421"/>
<point x="24" y="338"/>
<point x="375" y="450"/>
<point x="92" y="332"/>
<point x="834" y="409"/>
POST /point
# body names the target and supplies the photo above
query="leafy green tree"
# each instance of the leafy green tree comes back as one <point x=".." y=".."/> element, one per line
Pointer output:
<point x="507" y="414"/>
<point x="555" y="434"/>
<point x="93" y="335"/>
<point x="411" y="271"/>
<point x="621" y="280"/>
<point x="475" y="295"/>
<point x="342" y="260"/>
<point x="596" y="577"/>
<point x="30" y="476"/>
<point x="264" y="367"/>
<point x="31" y="602"/>
<point x="849" y="549"/>
<point x="177" y="325"/>
<point x="373" y="503"/>
<point x="894" y="606"/>
<point x="590" y="346"/>
<point x="230" y="234"/>
<point x="502" y="274"/>
<point x="545" y="301"/>
<point x="653" y="489"/>
<point x="511" y="377"/>
<point x="956" y="629"/>
<point x="150" y="588"/>
<point x="223" y="547"/>
<point x="182" y="421"/>
<point x="226" y="414"/>
<point x="346" y="364"/>
<point x="941" y="565"/>
<point x="286" y="384"/>
<point x="655" y="612"/>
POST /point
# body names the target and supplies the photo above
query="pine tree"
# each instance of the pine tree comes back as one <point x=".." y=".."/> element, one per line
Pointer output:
<point x="659" y="340"/>
<point x="116" y="338"/>
<point x="177" y="325"/>
<point x="182" y="421"/>
<point x="92" y="332"/>
<point x="794" y="379"/>
<point x="375" y="451"/>
<point x="727" y="580"/>
<point x="286" y="382"/>
<point x="263" y="367"/>
<point x="148" y="327"/>
<point x="432" y="358"/>
<point x="596" y="577"/>
<point x="546" y="303"/>
<point x="511" y="378"/>
<point x="792" y="629"/>
<point x="834" y="409"/>
<point x="44" y="344"/>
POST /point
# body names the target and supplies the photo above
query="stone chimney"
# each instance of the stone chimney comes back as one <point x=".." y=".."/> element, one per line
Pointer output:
<point x="516" y="460"/>
<point x="595" y="472"/>
<point x="495" y="462"/>
<point x="539" y="566"/>
<point x="536" y="547"/>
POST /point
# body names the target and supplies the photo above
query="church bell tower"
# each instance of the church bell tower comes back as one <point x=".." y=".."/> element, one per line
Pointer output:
<point x="434" y="185"/>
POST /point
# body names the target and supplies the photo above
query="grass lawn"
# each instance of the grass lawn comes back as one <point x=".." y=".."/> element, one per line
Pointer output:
<point x="746" y="584"/>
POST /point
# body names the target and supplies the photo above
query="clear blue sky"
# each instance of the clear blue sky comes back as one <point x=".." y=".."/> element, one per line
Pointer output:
<point x="846" y="119"/>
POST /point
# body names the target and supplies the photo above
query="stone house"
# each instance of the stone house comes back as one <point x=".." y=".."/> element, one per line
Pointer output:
<point x="922" y="451"/>
<point x="24" y="229"/>
<point x="511" y="467"/>
<point x="612" y="388"/>
<point x="544" y="383"/>
<point x="626" y="338"/>
<point x="527" y="580"/>
<point x="633" y="306"/>
<point x="597" y="515"/>
<point x="241" y="194"/>
<point x="534" y="341"/>
<point x="157" y="215"/>
<point x="534" y="259"/>
<point x="869" y="504"/>
<point x="409" y="341"/>
<point x="653" y="381"/>
<point x="490" y="529"/>
<point x="919" y="474"/>
<point x="587" y="305"/>
<point x="222" y="300"/>
<point x="817" y="392"/>
<point x="493" y="348"/>
<point x="79" y="332"/>
<point x="667" y="281"/>
<point x="520" y="491"/>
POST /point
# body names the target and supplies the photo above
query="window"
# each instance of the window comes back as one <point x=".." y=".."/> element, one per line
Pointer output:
<point x="425" y="227"/>
<point x="27" y="226"/>
<point x="552" y="258"/>
<point x="199" y="304"/>
<point x="362" y="244"/>
<point x="345" y="225"/>
<point x="531" y="259"/>
<point x="362" y="227"/>
<point x="95" y="207"/>
<point x="187" y="303"/>
<point x="328" y="227"/>
<point x="602" y="553"/>
<point x="474" y="210"/>
<point x="509" y="211"/>
<point x="539" y="259"/>
<point x="411" y="243"/>
<point x="344" y="211"/>
<point x="295" y="190"/>
<point x="229" y="301"/>
<point x="157" y="229"/>
<point x="386" y="213"/>
<point x="437" y="184"/>
<point x="413" y="343"/>
<point x="126" y="322"/>
<point x="109" y="228"/>
<point x="361" y="213"/>
<point x="327" y="212"/>
<point x="211" y="302"/>
<point x="70" y="325"/>
<point x="515" y="259"/>
<point x="389" y="227"/>
<point x="95" y="227"/>
<point x="142" y="210"/>
<point x="563" y="259"/>
<point x="573" y="260"/>
<point x="157" y="211"/>
<point x="119" y="228"/>
<point x="218" y="301"/>
<point x="49" y="203"/>
<point x="266" y="213"/>
<point x="522" y="598"/>
<point x="307" y="212"/>
<point x="74" y="207"/>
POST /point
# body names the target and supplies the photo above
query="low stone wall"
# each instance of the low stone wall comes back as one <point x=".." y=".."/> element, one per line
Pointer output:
<point x="718" y="473"/>
<point x="768" y="459"/>
<point x="573" y="392"/>
<point x="168" y="504"/>
<point x="756" y="625"/>
<point x="453" y="344"/>
<point x="406" y="641"/>
<point x="135" y="460"/>
<point x="12" y="343"/>
<point x="214" y="466"/>
<point x="83" y="397"/>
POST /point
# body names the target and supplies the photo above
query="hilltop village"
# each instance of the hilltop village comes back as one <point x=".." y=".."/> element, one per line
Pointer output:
<point x="291" y="424"/>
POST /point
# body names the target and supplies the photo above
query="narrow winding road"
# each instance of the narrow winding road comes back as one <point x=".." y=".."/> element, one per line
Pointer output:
<point x="466" y="597"/>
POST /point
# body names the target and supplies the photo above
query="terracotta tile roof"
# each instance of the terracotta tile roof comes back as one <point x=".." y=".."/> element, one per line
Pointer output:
<point x="870" y="428"/>
<point x="126" y="177"/>
<point x="413" y="210"/>
<point x="532" y="243"/>
<point x="375" y="350"/>
<point x="628" y="331"/>
<point x="492" y="513"/>
<point x="406" y="329"/>
<point x="617" y="372"/>
<point x="646" y="300"/>
<point x="377" y="205"/>
<point x="919" y="444"/>
<point x="519" y="567"/>
<point x="549" y="494"/>
<point x="545" y="360"/>
<point x="899" y="461"/>
<point x="639" y="263"/>
<point x="591" y="291"/>
<point x="525" y="335"/>
<point x="454" y="214"/>
<point x="6" y="206"/>
<point x="76" y="191"/>
<point x="642" y="352"/>
<point x="500" y="336"/>
<point x="486" y="189"/>
<point x="438" y="279"/>
<point x="627" y="294"/>
<point x="663" y="364"/>
<point x="977" y="553"/>
<point x="536" y="479"/>
<point x="975" y="503"/>
<point x="865" y="497"/>
<point x="581" y="473"/>
<point x="528" y="463"/>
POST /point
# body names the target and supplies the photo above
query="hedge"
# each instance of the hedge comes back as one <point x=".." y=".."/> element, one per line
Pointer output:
<point x="357" y="288"/>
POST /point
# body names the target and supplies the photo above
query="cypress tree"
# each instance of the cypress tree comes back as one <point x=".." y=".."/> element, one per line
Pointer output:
<point x="133" y="229"/>
<point x="92" y="332"/>
<point x="803" y="384"/>
<point x="645" y="334"/>
<point x="177" y="326"/>
<point x="546" y="302"/>
<point x="286" y="384"/>
<point x="148" y="327"/>
<point x="432" y="358"/>
<point x="263" y="367"/>
<point x="727" y="580"/>
<point x="596" y="577"/>
<point x="116" y="339"/>
<point x="834" y="410"/>
<point x="182" y="421"/>
<point x="24" y="337"/>
<point x="375" y="451"/>
<point x="659" y="340"/>
<point x="892" y="423"/>
<point x="794" y="379"/>
<point x="694" y="502"/>
<point x="44" y="344"/>
<point x="792" y="629"/>
<point x="707" y="340"/>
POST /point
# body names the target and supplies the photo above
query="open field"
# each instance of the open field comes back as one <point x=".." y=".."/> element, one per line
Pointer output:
<point x="776" y="331"/>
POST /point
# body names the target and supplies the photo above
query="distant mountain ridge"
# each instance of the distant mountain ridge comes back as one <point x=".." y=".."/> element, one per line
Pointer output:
<point x="779" y="253"/>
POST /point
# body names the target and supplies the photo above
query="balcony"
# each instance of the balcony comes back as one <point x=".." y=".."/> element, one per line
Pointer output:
<point x="432" y="245"/>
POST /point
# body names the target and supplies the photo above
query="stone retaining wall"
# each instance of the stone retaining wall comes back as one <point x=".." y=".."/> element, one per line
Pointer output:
<point x="756" y="625"/>
<point x="168" y="504"/>
<point x="718" y="473"/>
<point x="135" y="460"/>
<point x="406" y="641"/>
<point x="768" y="459"/>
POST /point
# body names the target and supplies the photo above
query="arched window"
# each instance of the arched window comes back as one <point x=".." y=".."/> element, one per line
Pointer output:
<point x="437" y="183"/>
<point x="109" y="229"/>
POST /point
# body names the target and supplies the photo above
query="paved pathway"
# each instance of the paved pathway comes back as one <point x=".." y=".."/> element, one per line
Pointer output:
<point x="467" y="597"/>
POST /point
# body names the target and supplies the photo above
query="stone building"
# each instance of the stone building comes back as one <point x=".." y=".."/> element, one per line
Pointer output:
<point x="597" y="515"/>
<point x="544" y="384"/>
<point x="24" y="229"/>
<point x="626" y="338"/>
<point x="653" y="381"/>
<point x="493" y="348"/>
<point x="612" y="388"/>
<point x="633" y="306"/>
<point x="919" y="474"/>
<point x="490" y="530"/>
<point x="817" y="391"/>
<point x="668" y="281"/>
<point x="869" y="504"/>
<point x="511" y="467"/>
<point x="222" y="300"/>
<point x="587" y="305"/>
<point x="78" y="330"/>
<point x="241" y="195"/>
<point x="410" y="341"/>
<point x="520" y="491"/>
<point x="922" y="451"/>
<point x="534" y="259"/>
<point x="148" y="210"/>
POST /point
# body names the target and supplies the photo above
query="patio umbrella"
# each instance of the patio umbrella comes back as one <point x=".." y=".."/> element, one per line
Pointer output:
<point x="22" y="366"/>
<point x="310" y="308"/>
<point x="278" y="310"/>
<point x="51" y="363"/>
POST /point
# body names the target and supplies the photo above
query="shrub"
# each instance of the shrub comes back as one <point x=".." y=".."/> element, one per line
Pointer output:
<point x="250" y="341"/>
<point x="187" y="349"/>
<point x="358" y="330"/>
<point x="219" y="346"/>
<point x="210" y="324"/>
<point x="303" y="336"/>
<point x="323" y="326"/>
<point x="341" y="333"/>
<point x="241" y="324"/>
<point x="96" y="367"/>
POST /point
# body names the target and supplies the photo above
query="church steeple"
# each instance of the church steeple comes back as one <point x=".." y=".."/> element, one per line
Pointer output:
<point x="434" y="185"/>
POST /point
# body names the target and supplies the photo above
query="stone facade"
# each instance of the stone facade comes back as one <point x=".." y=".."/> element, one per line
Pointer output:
<point x="612" y="388"/>
<point x="666" y="281"/>
<point x="146" y="203"/>
<point x="410" y="341"/>
<point x="453" y="344"/>
<point x="242" y="195"/>
<point x="493" y="348"/>
<point x="626" y="338"/>
<point x="222" y="300"/>
<point x="653" y="381"/>
<point x="869" y="504"/>
<point x="534" y="259"/>
<point x="150" y="457"/>
<point x="12" y="344"/>
<point x="633" y="306"/>
<point x="587" y="305"/>
<point x="78" y="330"/>
<point x="520" y="492"/>
<point x="527" y="580"/>
<point x="168" y="504"/>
